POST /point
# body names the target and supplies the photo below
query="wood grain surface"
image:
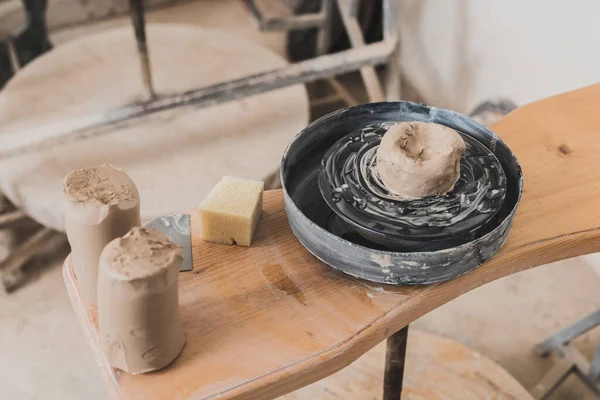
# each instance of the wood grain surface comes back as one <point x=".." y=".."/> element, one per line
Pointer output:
<point x="437" y="368"/>
<point x="266" y="320"/>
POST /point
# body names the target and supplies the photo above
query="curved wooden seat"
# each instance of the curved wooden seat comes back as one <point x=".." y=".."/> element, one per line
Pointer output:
<point x="266" y="320"/>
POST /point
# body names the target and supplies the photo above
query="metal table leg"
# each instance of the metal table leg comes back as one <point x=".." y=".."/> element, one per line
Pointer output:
<point x="571" y="360"/>
<point x="567" y="334"/>
<point x="595" y="367"/>
<point x="390" y="32"/>
<point x="394" y="365"/>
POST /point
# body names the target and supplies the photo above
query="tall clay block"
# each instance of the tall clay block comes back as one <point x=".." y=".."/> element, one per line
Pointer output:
<point x="138" y="308"/>
<point x="101" y="204"/>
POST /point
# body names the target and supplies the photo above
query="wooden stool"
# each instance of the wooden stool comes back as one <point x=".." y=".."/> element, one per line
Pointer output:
<point x="266" y="320"/>
<point x="436" y="369"/>
<point x="174" y="157"/>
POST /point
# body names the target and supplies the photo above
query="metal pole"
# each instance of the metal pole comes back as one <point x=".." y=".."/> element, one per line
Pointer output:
<point x="303" y="21"/>
<point x="569" y="333"/>
<point x="552" y="379"/>
<point x="390" y="33"/>
<point x="353" y="8"/>
<point x="33" y="39"/>
<point x="323" y="43"/>
<point x="139" y="27"/>
<point x="22" y="141"/>
<point x="343" y="93"/>
<point x="594" y="373"/>
<point x="394" y="365"/>
<point x="11" y="218"/>
<point x="324" y="33"/>
<point x="12" y="55"/>
<point x="302" y="72"/>
<point x="368" y="73"/>
<point x="570" y="359"/>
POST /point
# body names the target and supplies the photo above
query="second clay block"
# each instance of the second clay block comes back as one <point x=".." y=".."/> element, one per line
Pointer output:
<point x="138" y="308"/>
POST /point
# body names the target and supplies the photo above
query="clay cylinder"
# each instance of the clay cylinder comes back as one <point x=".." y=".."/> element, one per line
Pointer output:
<point x="101" y="204"/>
<point x="138" y="307"/>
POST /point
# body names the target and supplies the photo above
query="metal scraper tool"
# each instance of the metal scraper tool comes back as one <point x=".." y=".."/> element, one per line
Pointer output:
<point x="177" y="228"/>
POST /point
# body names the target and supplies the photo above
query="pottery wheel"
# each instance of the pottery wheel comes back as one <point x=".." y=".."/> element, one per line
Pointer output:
<point x="176" y="156"/>
<point x="352" y="188"/>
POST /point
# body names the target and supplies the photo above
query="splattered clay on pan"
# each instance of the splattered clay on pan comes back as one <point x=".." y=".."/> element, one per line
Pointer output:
<point x="339" y="209"/>
<point x="351" y="187"/>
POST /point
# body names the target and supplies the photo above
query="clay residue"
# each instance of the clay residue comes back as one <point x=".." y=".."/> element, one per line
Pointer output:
<point x="384" y="261"/>
<point x="142" y="252"/>
<point x="105" y="185"/>
<point x="419" y="159"/>
<point x="277" y="277"/>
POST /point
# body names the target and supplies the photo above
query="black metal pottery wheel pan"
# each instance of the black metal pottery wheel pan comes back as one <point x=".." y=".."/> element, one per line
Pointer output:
<point x="355" y="193"/>
<point x="325" y="236"/>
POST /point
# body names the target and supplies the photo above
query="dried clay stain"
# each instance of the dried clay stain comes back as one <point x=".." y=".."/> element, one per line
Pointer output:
<point x="277" y="277"/>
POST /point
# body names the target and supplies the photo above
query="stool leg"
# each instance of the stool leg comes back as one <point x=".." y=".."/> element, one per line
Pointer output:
<point x="594" y="373"/>
<point x="394" y="365"/>
<point x="567" y="334"/>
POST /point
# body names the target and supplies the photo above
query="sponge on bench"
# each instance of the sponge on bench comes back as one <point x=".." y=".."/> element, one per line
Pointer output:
<point x="230" y="212"/>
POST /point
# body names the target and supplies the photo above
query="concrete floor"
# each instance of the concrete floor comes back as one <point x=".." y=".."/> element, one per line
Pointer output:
<point x="44" y="354"/>
<point x="506" y="318"/>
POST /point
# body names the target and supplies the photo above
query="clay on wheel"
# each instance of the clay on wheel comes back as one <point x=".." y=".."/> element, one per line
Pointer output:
<point x="420" y="159"/>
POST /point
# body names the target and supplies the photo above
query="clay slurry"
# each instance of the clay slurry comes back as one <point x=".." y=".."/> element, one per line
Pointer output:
<point x="138" y="310"/>
<point x="100" y="204"/>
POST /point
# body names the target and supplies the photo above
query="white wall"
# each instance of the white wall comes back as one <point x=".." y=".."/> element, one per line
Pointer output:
<point x="459" y="53"/>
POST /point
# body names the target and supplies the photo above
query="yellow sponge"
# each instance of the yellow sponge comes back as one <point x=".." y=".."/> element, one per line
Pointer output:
<point x="230" y="212"/>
